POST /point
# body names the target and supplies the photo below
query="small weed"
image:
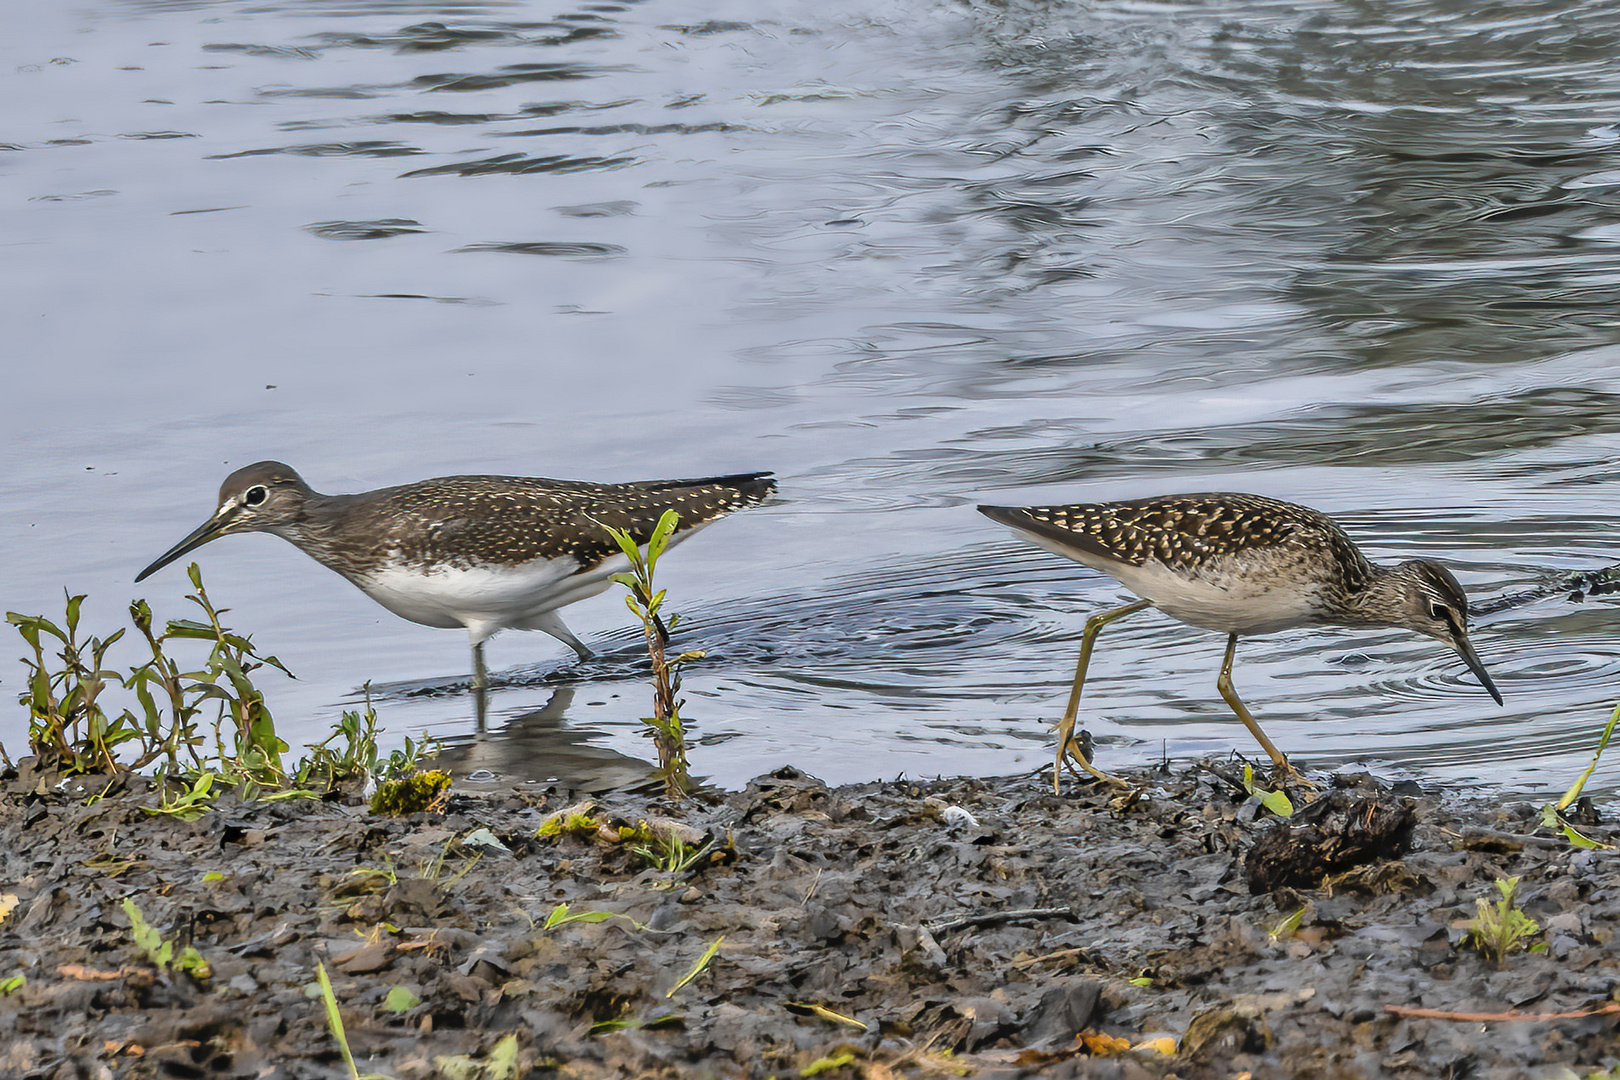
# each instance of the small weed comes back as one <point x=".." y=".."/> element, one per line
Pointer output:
<point x="646" y="603"/>
<point x="434" y="871"/>
<point x="160" y="953"/>
<point x="187" y="805"/>
<point x="356" y="756"/>
<point x="1501" y="928"/>
<point x="12" y="985"/>
<point x="666" y="851"/>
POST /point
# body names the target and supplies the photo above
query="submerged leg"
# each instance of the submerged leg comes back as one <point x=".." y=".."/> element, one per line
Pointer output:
<point x="1067" y="746"/>
<point x="480" y="684"/>
<point x="551" y="623"/>
<point x="1285" y="772"/>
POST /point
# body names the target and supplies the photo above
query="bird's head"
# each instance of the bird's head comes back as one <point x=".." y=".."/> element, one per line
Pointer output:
<point x="264" y="496"/>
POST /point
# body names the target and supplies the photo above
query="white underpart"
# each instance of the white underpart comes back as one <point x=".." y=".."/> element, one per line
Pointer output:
<point x="490" y="597"/>
<point x="1214" y="598"/>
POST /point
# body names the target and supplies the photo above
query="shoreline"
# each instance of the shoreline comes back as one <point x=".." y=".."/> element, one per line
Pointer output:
<point x="956" y="927"/>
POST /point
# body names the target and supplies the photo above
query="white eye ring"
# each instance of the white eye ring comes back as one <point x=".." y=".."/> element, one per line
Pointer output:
<point x="255" y="495"/>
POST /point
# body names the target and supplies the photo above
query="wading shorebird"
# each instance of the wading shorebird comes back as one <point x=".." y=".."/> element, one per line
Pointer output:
<point x="487" y="553"/>
<point x="1238" y="564"/>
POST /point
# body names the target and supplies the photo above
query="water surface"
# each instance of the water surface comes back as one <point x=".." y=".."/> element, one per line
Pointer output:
<point x="912" y="258"/>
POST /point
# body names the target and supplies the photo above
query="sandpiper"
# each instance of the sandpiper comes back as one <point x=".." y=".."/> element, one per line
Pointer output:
<point x="486" y="553"/>
<point x="1239" y="564"/>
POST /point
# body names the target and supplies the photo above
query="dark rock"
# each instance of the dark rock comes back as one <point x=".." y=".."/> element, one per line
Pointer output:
<point x="1064" y="1011"/>
<point x="1339" y="831"/>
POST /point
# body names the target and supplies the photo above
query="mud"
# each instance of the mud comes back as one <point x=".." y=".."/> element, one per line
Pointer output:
<point x="947" y="928"/>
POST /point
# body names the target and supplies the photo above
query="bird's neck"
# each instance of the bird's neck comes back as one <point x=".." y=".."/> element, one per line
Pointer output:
<point x="1379" y="601"/>
<point x="318" y="531"/>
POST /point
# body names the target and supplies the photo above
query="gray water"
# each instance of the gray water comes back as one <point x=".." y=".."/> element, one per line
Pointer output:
<point x="912" y="256"/>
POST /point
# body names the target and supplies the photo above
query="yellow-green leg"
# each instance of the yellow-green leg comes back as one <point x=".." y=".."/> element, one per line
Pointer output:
<point x="1285" y="772"/>
<point x="1066" y="745"/>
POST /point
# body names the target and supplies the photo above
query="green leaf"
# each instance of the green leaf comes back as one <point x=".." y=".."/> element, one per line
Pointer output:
<point x="399" y="999"/>
<point x="559" y="915"/>
<point x="1275" y="801"/>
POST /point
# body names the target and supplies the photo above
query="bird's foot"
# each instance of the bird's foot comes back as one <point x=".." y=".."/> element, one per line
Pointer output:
<point x="1077" y="751"/>
<point x="1289" y="779"/>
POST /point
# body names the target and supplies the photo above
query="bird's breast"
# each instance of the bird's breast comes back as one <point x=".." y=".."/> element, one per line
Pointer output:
<point x="1233" y="599"/>
<point x="479" y="596"/>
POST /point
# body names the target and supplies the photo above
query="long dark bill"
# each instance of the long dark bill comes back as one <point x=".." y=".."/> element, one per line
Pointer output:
<point x="1471" y="658"/>
<point x="212" y="529"/>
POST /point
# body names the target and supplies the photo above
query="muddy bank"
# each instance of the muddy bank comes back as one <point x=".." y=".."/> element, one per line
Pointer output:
<point x="955" y="927"/>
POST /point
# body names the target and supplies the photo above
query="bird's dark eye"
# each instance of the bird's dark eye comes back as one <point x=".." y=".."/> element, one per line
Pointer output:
<point x="1439" y="611"/>
<point x="255" y="495"/>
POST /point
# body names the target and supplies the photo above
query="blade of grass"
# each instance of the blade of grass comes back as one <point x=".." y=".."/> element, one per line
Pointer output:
<point x="334" y="1020"/>
<point x="697" y="968"/>
<point x="1574" y="791"/>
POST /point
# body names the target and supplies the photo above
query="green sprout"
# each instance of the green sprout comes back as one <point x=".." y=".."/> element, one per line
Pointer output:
<point x="646" y="603"/>
<point x="1501" y="928"/>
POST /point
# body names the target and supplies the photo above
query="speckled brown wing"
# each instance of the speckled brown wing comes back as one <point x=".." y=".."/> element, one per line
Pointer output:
<point x="468" y="520"/>
<point x="1185" y="531"/>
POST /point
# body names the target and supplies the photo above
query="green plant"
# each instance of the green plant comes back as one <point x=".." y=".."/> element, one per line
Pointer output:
<point x="86" y="716"/>
<point x="1552" y="815"/>
<point x="162" y="954"/>
<point x="71" y="728"/>
<point x="646" y="603"/>
<point x="666" y="851"/>
<point x="67" y="724"/>
<point x="187" y="805"/>
<point x="356" y="755"/>
<point x="1501" y="928"/>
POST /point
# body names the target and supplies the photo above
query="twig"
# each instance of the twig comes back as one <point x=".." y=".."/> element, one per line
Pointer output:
<point x="1607" y="1009"/>
<point x="991" y="918"/>
<point x="1527" y="840"/>
<point x="1061" y="954"/>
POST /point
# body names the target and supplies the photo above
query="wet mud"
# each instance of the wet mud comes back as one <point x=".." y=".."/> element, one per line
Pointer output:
<point x="965" y="927"/>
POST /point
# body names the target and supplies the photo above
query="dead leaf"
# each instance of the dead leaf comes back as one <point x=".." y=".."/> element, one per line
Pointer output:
<point x="87" y="974"/>
<point x="1097" y="1044"/>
